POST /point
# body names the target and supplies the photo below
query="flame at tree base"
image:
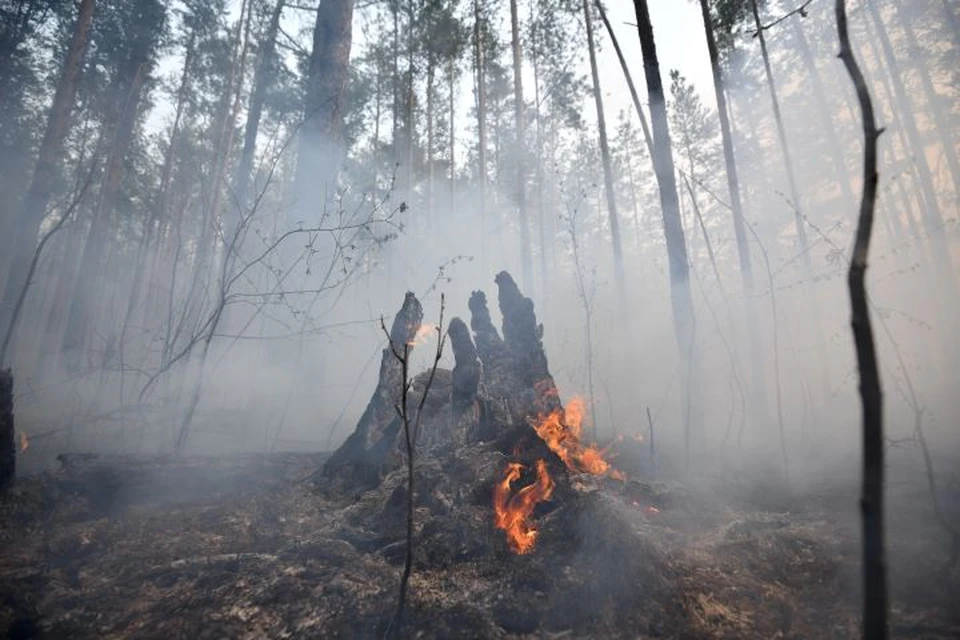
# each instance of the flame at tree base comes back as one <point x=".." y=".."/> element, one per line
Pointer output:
<point x="513" y="511"/>
<point x="562" y="430"/>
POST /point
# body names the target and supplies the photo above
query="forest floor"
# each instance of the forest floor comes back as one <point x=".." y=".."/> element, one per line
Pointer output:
<point x="249" y="547"/>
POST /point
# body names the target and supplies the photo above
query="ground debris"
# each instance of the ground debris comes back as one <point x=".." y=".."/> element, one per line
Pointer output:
<point x="269" y="556"/>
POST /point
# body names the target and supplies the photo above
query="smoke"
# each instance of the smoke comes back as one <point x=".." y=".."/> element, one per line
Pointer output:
<point x="292" y="359"/>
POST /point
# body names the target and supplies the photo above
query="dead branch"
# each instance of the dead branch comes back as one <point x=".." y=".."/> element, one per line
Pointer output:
<point x="871" y="500"/>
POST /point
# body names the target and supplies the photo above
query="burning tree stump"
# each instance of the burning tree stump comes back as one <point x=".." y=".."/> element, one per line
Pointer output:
<point x="8" y="449"/>
<point x="494" y="432"/>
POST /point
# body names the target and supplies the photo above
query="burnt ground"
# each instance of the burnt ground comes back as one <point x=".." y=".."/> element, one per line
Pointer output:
<point x="255" y="547"/>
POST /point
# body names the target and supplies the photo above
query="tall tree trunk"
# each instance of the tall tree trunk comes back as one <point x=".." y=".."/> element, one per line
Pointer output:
<point x="409" y="108"/>
<point x="395" y="70"/>
<point x="225" y="128"/>
<point x="526" y="253"/>
<point x="933" y="217"/>
<point x="90" y="276"/>
<point x="262" y="78"/>
<point x="452" y="77"/>
<point x="479" y="65"/>
<point x="784" y="145"/>
<point x="681" y="296"/>
<point x="871" y="500"/>
<point x="428" y="154"/>
<point x="33" y="208"/>
<point x="824" y="111"/>
<point x="613" y="215"/>
<point x="626" y="73"/>
<point x="945" y="134"/>
<point x="320" y="148"/>
<point x="541" y="161"/>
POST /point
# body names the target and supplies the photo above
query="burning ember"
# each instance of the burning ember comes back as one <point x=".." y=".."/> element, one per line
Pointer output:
<point x="24" y="442"/>
<point x="561" y="430"/>
<point x="422" y="334"/>
<point x="513" y="511"/>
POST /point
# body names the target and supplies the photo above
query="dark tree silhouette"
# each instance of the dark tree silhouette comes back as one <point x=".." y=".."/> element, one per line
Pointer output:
<point x="871" y="500"/>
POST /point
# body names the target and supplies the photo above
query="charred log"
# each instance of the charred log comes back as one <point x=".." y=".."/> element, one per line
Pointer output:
<point x="8" y="449"/>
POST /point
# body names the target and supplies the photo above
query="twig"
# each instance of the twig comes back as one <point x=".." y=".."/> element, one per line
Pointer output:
<point x="801" y="10"/>
<point x="410" y="434"/>
<point x="871" y="501"/>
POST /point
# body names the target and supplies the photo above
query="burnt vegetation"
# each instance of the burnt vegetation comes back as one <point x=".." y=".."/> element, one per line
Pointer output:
<point x="694" y="413"/>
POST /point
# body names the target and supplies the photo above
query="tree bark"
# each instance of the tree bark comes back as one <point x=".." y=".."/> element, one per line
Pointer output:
<point x="320" y="147"/>
<point x="871" y="501"/>
<point x="613" y="215"/>
<point x="526" y="253"/>
<point x="681" y="296"/>
<point x="32" y="210"/>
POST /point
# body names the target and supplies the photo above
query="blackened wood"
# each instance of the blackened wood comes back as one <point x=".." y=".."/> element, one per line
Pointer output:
<point x="871" y="500"/>
<point x="360" y="459"/>
<point x="8" y="449"/>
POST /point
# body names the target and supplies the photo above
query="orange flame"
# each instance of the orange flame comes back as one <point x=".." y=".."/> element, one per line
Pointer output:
<point x="422" y="334"/>
<point x="513" y="511"/>
<point x="24" y="442"/>
<point x="561" y="431"/>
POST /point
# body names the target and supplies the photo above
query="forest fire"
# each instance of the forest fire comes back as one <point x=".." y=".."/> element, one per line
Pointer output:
<point x="561" y="430"/>
<point x="513" y="511"/>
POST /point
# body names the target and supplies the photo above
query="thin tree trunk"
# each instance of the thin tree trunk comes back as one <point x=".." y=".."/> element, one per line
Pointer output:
<point x="526" y="254"/>
<point x="453" y="132"/>
<point x="933" y="217"/>
<point x="681" y="296"/>
<point x="34" y="204"/>
<point x="871" y="501"/>
<point x="626" y="73"/>
<point x="261" y="80"/>
<point x="613" y="215"/>
<point x="428" y="153"/>
<point x="784" y="145"/>
<point x="733" y="180"/>
<point x="481" y="131"/>
<point x="539" y="177"/>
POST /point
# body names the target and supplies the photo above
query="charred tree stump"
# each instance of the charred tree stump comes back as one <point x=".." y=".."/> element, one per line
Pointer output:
<point x="8" y="449"/>
<point x="361" y="458"/>
<point x="466" y="371"/>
